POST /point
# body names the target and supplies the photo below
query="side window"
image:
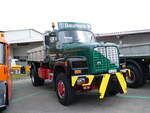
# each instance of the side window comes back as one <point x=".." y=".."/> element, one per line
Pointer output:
<point x="3" y="53"/>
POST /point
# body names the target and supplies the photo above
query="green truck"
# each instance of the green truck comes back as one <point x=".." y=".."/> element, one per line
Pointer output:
<point x="74" y="62"/>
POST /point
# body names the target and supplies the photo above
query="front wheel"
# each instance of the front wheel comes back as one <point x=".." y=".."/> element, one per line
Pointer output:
<point x="65" y="92"/>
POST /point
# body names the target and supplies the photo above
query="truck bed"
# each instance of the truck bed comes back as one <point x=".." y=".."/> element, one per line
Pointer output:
<point x="36" y="54"/>
<point x="135" y="50"/>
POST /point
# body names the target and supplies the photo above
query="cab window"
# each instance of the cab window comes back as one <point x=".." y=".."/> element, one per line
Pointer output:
<point x="2" y="53"/>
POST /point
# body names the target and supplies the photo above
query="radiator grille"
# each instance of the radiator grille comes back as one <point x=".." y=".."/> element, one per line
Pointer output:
<point x="105" y="58"/>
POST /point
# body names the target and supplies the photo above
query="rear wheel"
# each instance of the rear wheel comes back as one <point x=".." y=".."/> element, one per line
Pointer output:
<point x="36" y="81"/>
<point x="65" y="92"/>
<point x="136" y="78"/>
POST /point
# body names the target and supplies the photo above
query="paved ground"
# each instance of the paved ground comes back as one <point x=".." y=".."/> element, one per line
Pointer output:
<point x="29" y="99"/>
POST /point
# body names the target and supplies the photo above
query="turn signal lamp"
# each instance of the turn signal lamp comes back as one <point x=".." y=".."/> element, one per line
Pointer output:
<point x="124" y="66"/>
<point x="77" y="71"/>
<point x="53" y="25"/>
<point x="66" y="63"/>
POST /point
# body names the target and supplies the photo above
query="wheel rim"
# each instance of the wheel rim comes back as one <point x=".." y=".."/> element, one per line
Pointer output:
<point x="131" y="79"/>
<point x="61" y="89"/>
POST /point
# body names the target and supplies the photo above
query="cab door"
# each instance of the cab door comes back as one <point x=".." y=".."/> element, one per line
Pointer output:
<point x="4" y="86"/>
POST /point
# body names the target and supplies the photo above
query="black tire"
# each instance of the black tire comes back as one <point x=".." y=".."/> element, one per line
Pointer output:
<point x="69" y="94"/>
<point x="137" y="78"/>
<point x="36" y="81"/>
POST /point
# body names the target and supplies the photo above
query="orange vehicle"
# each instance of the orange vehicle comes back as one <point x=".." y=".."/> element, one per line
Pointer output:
<point x="5" y="73"/>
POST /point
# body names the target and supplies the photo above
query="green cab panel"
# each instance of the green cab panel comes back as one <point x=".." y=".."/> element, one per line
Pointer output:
<point x="99" y="60"/>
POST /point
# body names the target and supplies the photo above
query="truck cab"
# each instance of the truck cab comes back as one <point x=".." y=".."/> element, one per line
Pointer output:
<point x="5" y="73"/>
<point x="81" y="45"/>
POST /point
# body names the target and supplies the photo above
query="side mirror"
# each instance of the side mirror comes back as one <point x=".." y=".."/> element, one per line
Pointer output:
<point x="50" y="41"/>
<point x="53" y="38"/>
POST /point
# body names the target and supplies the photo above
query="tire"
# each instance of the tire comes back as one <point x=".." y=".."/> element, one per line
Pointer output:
<point x="136" y="79"/>
<point x="36" y="81"/>
<point x="67" y="97"/>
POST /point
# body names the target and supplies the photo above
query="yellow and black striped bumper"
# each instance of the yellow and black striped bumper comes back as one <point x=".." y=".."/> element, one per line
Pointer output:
<point x="104" y="82"/>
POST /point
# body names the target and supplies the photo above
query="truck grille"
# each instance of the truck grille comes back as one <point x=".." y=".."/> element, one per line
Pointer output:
<point x="99" y="56"/>
<point x="105" y="58"/>
<point x="112" y="55"/>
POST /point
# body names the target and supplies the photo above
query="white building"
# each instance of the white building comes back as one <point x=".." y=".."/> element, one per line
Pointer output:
<point x="21" y="41"/>
<point x="126" y="37"/>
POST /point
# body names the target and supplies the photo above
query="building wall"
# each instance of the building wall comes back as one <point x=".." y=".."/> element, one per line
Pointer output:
<point x="127" y="39"/>
<point x="112" y="39"/>
<point x="136" y="39"/>
<point x="21" y="41"/>
<point x="20" y="50"/>
<point x="131" y="45"/>
<point x="23" y="36"/>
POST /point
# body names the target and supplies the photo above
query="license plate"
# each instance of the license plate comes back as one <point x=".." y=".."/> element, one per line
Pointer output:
<point x="112" y="71"/>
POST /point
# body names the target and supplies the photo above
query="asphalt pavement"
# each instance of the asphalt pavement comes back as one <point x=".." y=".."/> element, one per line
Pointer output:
<point x="29" y="99"/>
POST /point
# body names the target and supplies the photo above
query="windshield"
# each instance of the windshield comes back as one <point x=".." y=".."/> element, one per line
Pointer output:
<point x="76" y="36"/>
<point x="2" y="53"/>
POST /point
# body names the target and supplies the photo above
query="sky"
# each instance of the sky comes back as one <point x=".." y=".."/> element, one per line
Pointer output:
<point x="105" y="16"/>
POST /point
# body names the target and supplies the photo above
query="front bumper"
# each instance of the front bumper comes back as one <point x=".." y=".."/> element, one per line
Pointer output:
<point x="105" y="81"/>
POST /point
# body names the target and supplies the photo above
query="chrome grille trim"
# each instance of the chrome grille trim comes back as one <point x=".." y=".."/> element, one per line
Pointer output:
<point x="112" y="55"/>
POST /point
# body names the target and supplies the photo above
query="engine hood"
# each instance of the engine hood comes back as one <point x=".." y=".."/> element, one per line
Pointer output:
<point x="93" y="57"/>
